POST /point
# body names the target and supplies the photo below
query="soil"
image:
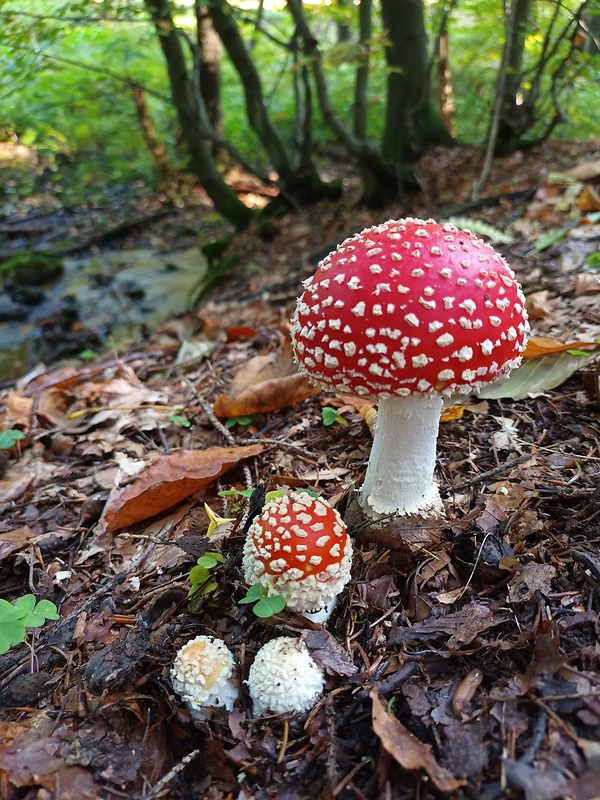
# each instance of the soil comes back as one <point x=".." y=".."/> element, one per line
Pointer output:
<point x="466" y="667"/>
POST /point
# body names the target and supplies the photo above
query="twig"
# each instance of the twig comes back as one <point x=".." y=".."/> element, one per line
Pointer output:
<point x="158" y="787"/>
<point x="284" y="445"/>
<point x="490" y="473"/>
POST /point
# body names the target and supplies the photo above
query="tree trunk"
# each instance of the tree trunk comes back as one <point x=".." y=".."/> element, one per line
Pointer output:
<point x="293" y="177"/>
<point x="411" y="124"/>
<point x="513" y="123"/>
<point x="209" y="55"/>
<point x="157" y="150"/>
<point x="444" y="76"/>
<point x="202" y="163"/>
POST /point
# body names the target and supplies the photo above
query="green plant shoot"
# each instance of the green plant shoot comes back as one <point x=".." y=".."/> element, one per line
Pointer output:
<point x="21" y="614"/>
<point x="9" y="438"/>
<point x="330" y="416"/>
<point x="202" y="578"/>
<point x="265" y="605"/>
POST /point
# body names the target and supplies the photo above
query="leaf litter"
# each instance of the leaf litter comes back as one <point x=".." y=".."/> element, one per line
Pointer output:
<point x="468" y="669"/>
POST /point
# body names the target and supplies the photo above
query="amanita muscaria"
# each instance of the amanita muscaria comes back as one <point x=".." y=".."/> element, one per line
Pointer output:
<point x="298" y="547"/>
<point x="405" y="313"/>
<point x="202" y="675"/>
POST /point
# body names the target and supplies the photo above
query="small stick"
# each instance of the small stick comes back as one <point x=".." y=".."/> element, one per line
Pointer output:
<point x="490" y="473"/>
<point x="158" y="787"/>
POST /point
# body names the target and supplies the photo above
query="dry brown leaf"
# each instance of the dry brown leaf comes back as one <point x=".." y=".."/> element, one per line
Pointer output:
<point x="407" y="750"/>
<point x="587" y="283"/>
<point x="266" y="396"/>
<point x="452" y="413"/>
<point x="541" y="346"/>
<point x="539" y="304"/>
<point x="17" y="410"/>
<point x="169" y="480"/>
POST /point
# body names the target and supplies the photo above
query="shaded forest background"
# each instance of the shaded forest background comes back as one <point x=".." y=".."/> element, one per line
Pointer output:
<point x="112" y="92"/>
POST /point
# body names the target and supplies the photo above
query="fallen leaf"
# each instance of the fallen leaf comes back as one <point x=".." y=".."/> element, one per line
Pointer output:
<point x="266" y="396"/>
<point x="168" y="481"/>
<point x="410" y="752"/>
<point x="536" y="375"/>
<point x="539" y="304"/>
<point x="587" y="283"/>
<point x="539" y="346"/>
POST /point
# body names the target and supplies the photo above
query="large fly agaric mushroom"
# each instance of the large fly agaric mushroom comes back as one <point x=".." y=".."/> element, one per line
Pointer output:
<point x="284" y="678"/>
<point x="298" y="547"/>
<point x="407" y="312"/>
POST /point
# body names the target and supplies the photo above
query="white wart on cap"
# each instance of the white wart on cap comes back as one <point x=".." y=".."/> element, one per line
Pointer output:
<point x="298" y="547"/>
<point x="409" y="310"/>
<point x="202" y="676"/>
<point x="284" y="678"/>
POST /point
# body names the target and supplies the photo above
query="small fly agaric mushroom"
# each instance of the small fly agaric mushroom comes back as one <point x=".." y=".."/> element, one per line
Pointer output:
<point x="284" y="677"/>
<point x="298" y="547"/>
<point x="406" y="312"/>
<point x="202" y="676"/>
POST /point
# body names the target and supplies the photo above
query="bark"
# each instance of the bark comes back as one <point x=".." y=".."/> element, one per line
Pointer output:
<point x="513" y="122"/>
<point x="379" y="184"/>
<point x="209" y="56"/>
<point x="411" y="123"/>
<point x="157" y="150"/>
<point x="444" y="76"/>
<point x="365" y="19"/>
<point x="226" y="26"/>
<point x="189" y="113"/>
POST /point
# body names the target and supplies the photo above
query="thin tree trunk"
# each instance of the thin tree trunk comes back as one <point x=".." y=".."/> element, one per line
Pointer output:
<point x="157" y="150"/>
<point x="188" y="113"/>
<point x="209" y="55"/>
<point x="444" y="75"/>
<point x="365" y="20"/>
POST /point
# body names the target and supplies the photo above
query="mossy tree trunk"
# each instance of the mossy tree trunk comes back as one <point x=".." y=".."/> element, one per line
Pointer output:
<point x="189" y="115"/>
<point x="412" y="123"/>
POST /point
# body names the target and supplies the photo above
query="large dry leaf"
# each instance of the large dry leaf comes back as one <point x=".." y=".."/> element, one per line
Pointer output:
<point x="266" y="396"/>
<point x="539" y="346"/>
<point x="168" y="481"/>
<point x="535" y="375"/>
<point x="266" y="383"/>
<point x="407" y="750"/>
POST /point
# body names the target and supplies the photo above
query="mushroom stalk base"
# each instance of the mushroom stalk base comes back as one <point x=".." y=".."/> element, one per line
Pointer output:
<point x="399" y="477"/>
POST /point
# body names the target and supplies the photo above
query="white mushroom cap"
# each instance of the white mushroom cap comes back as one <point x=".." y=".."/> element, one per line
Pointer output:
<point x="201" y="675"/>
<point x="298" y="547"/>
<point x="284" y="677"/>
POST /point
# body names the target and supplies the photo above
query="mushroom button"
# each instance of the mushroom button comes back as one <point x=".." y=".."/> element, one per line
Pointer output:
<point x="202" y="676"/>
<point x="284" y="678"/>
<point x="406" y="312"/>
<point x="298" y="547"/>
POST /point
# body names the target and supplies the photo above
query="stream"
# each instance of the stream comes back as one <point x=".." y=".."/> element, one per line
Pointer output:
<point x="108" y="297"/>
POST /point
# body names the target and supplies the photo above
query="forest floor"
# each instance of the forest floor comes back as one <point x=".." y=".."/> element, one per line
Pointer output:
<point x="467" y="668"/>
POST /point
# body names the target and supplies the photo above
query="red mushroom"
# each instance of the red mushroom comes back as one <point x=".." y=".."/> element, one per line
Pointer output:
<point x="298" y="547"/>
<point x="406" y="312"/>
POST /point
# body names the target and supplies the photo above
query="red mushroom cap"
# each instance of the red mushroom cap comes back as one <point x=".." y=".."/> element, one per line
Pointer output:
<point x="298" y="547"/>
<point x="410" y="307"/>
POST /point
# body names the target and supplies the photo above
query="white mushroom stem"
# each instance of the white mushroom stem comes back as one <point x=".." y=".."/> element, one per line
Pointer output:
<point x="399" y="477"/>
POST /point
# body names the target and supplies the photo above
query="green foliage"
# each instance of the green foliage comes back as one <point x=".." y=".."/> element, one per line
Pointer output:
<point x="21" y="614"/>
<point x="592" y="262"/>
<point x="265" y="605"/>
<point x="65" y="86"/>
<point x="330" y="416"/>
<point x="245" y="422"/>
<point x="202" y="578"/>
<point x="31" y="268"/>
<point x="178" y="419"/>
<point x="9" y="438"/>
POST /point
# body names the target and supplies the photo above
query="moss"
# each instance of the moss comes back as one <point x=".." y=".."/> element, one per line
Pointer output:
<point x="31" y="269"/>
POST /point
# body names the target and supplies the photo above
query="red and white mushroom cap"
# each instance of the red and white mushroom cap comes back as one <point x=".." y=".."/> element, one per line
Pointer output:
<point x="202" y="676"/>
<point x="298" y="547"/>
<point x="410" y="307"/>
<point x="284" y="678"/>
